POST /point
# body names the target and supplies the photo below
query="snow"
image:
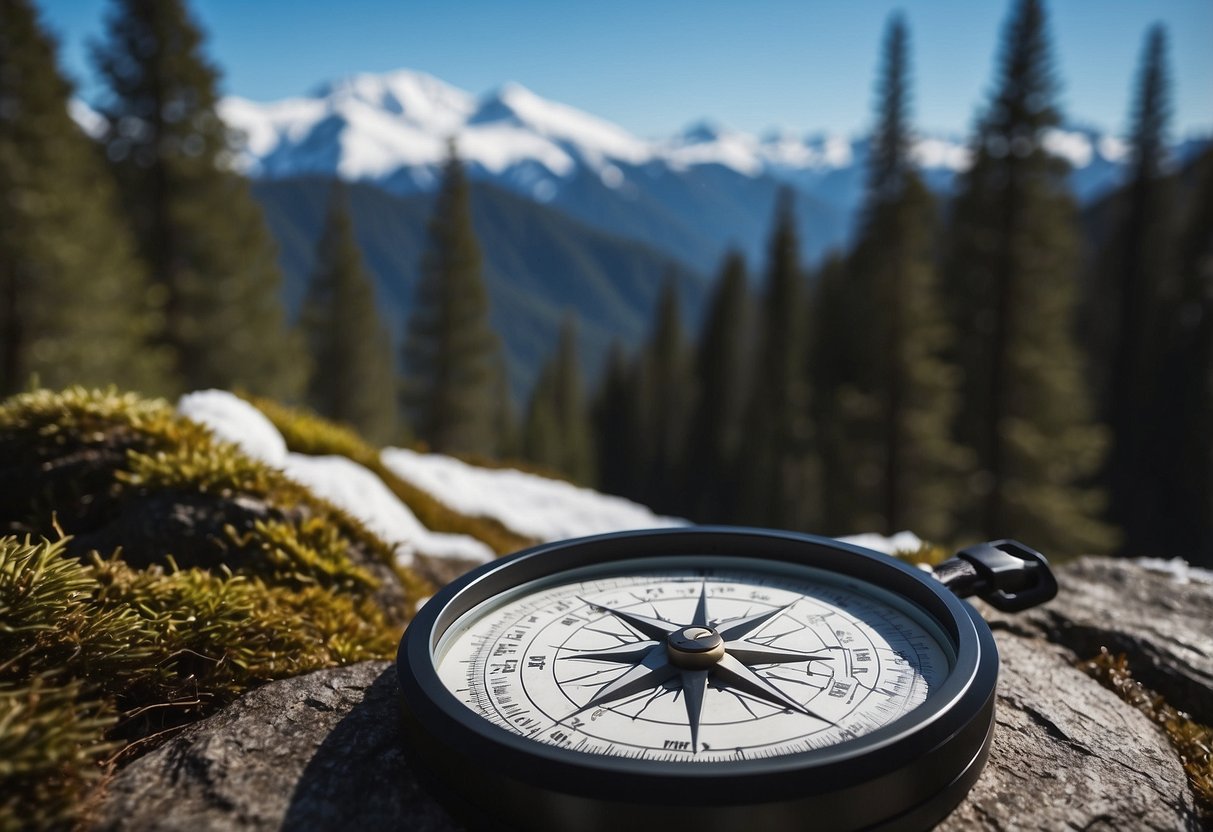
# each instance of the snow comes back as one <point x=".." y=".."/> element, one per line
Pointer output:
<point x="526" y="504"/>
<point x="89" y="120"/>
<point x="352" y="487"/>
<point x="905" y="541"/>
<point x="1074" y="147"/>
<point x="234" y="420"/>
<point x="341" y="481"/>
<point x="393" y="129"/>
<point x="594" y="139"/>
<point x="1179" y="569"/>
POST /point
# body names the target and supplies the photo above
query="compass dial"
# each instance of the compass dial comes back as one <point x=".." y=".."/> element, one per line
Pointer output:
<point x="711" y="678"/>
<point x="722" y="661"/>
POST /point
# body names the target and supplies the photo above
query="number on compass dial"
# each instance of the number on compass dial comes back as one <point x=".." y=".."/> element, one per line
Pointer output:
<point x="685" y="666"/>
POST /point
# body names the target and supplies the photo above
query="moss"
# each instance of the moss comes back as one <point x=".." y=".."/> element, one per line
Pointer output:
<point x="1193" y="741"/>
<point x="307" y="433"/>
<point x="157" y="574"/>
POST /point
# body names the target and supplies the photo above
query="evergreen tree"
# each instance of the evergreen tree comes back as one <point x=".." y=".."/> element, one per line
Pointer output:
<point x="75" y="306"/>
<point x="505" y="427"/>
<point x="353" y="376"/>
<point x="891" y="397"/>
<point x="722" y="366"/>
<point x="837" y="315"/>
<point x="615" y="416"/>
<point x="197" y="226"/>
<point x="780" y="474"/>
<point x="1184" y="448"/>
<point x="1025" y="411"/>
<point x="450" y="355"/>
<point x="665" y="404"/>
<point x="557" y="432"/>
<point x="1136" y="283"/>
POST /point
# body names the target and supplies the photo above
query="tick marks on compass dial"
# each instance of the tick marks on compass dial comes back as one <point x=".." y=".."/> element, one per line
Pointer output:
<point x="679" y="666"/>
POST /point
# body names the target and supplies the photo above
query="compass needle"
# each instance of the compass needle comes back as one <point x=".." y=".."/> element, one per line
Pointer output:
<point x="741" y="627"/>
<point x="701" y="609"/>
<point x="751" y="654"/>
<point x="736" y="673"/>
<point x="694" y="685"/>
<point x="629" y="654"/>
<point x="723" y="678"/>
<point x="653" y="628"/>
<point x="651" y="672"/>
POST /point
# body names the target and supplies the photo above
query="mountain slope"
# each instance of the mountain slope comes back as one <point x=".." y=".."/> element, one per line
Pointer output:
<point x="538" y="265"/>
<point x="690" y="195"/>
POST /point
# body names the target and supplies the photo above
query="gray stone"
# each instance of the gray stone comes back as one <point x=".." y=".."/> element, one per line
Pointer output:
<point x="324" y="751"/>
<point x="320" y="751"/>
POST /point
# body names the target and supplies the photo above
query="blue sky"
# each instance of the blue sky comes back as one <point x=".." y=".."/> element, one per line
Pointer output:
<point x="655" y="66"/>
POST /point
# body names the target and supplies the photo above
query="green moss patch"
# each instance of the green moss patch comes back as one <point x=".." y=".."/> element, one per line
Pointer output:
<point x="1193" y="741"/>
<point x="150" y="574"/>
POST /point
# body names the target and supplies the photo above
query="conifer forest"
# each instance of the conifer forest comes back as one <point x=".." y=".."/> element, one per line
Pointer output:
<point x="995" y="361"/>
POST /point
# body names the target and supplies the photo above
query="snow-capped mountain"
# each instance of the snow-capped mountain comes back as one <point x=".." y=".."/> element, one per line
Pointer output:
<point x="689" y="195"/>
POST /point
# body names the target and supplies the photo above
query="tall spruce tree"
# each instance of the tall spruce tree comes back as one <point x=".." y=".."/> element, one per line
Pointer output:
<point x="615" y="416"/>
<point x="723" y="359"/>
<point x="451" y="352"/>
<point x="76" y="307"/>
<point x="780" y="472"/>
<point x="197" y="226"/>
<point x="1184" y="449"/>
<point x="557" y="431"/>
<point x="665" y="403"/>
<point x="1025" y="411"/>
<point x="353" y="374"/>
<point x="891" y="398"/>
<point x="1136" y="282"/>
<point x="505" y="422"/>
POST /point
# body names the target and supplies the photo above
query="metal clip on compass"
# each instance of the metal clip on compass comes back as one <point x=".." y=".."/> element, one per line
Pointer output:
<point x="710" y="678"/>
<point x="1004" y="573"/>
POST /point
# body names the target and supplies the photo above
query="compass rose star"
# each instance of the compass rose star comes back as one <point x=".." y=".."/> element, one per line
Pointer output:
<point x="693" y="653"/>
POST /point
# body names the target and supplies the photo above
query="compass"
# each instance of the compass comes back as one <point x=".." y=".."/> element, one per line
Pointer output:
<point x="709" y="678"/>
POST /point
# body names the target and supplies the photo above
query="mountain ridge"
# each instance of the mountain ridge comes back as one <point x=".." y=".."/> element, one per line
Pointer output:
<point x="691" y="195"/>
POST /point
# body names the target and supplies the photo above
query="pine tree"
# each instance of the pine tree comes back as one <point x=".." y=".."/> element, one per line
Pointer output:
<point x="891" y="397"/>
<point x="1184" y="448"/>
<point x="665" y="401"/>
<point x="780" y="473"/>
<point x="1137" y="282"/>
<point x="197" y="226"/>
<point x="837" y="314"/>
<point x="353" y="375"/>
<point x="722" y="366"/>
<point x="505" y="423"/>
<point x="557" y="432"/>
<point x="75" y="305"/>
<point x="450" y="354"/>
<point x="1025" y="411"/>
<point x="615" y="417"/>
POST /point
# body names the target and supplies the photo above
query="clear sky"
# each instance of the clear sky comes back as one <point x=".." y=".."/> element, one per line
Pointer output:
<point x="654" y="66"/>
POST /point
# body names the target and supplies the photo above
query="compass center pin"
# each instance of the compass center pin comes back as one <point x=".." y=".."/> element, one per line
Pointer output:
<point x="694" y="647"/>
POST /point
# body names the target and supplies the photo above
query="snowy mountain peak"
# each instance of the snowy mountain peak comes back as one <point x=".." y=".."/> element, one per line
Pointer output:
<point x="593" y="139"/>
<point x="414" y="96"/>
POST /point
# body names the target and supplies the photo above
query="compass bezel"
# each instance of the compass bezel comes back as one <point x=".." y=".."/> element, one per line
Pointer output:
<point x="916" y="767"/>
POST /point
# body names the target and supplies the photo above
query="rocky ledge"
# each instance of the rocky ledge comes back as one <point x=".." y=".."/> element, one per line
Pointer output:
<point x="324" y="751"/>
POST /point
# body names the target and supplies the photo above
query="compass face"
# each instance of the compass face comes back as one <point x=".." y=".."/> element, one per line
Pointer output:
<point x="697" y="660"/>
<point x="712" y="678"/>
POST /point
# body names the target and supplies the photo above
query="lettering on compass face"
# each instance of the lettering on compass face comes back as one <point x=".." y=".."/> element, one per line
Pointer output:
<point x="696" y="665"/>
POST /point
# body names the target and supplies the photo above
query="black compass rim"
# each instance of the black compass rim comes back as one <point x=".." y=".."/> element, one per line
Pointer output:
<point x="894" y="768"/>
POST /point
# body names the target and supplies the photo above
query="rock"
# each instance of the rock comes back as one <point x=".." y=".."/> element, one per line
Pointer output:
<point x="320" y="751"/>
<point x="1164" y="626"/>
<point x="324" y="751"/>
